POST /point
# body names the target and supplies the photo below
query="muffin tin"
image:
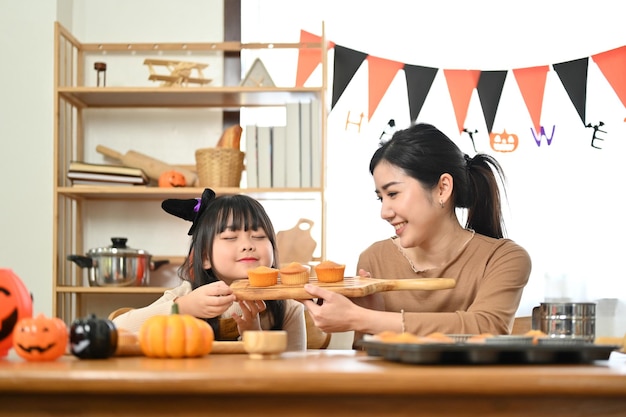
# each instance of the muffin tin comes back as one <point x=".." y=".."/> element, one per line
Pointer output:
<point x="498" y="350"/>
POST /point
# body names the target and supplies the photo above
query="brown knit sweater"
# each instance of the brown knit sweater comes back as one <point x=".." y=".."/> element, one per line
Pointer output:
<point x="490" y="277"/>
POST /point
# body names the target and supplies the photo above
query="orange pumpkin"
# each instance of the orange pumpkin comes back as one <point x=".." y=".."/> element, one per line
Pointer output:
<point x="40" y="338"/>
<point x="172" y="178"/>
<point x="175" y="336"/>
<point x="16" y="303"/>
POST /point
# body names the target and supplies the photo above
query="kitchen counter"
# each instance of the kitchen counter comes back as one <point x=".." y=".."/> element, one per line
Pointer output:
<point x="325" y="382"/>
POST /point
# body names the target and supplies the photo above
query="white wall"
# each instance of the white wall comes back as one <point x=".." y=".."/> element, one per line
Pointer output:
<point x="561" y="198"/>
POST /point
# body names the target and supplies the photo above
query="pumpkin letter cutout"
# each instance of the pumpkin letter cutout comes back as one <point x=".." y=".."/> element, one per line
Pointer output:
<point x="503" y="142"/>
<point x="175" y="336"/>
<point x="15" y="304"/>
<point x="93" y="338"/>
<point x="170" y="179"/>
<point x="40" y="338"/>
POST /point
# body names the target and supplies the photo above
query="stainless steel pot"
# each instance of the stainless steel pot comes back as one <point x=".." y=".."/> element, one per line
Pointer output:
<point x="117" y="265"/>
<point x="567" y="320"/>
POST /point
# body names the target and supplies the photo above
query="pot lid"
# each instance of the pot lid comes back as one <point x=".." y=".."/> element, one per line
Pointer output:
<point x="118" y="247"/>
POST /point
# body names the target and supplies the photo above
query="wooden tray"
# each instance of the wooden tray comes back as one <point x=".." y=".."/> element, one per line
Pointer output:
<point x="350" y="287"/>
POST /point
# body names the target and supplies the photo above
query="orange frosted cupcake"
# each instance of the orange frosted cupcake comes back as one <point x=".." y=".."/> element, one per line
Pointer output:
<point x="329" y="271"/>
<point x="294" y="274"/>
<point x="263" y="276"/>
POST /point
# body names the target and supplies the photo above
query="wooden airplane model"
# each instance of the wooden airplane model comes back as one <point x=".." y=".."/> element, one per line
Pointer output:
<point x="180" y="72"/>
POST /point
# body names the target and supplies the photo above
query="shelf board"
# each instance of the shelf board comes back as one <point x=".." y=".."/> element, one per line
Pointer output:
<point x="218" y="97"/>
<point x="111" y="290"/>
<point x="159" y="193"/>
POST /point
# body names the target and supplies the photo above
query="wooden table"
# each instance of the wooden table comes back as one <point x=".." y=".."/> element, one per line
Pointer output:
<point x="313" y="383"/>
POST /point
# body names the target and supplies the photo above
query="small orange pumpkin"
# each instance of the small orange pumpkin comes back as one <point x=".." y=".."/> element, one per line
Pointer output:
<point x="40" y="338"/>
<point x="172" y="178"/>
<point x="175" y="336"/>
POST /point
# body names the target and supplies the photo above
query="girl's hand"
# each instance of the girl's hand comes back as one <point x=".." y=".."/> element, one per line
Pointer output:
<point x="249" y="319"/>
<point x="207" y="301"/>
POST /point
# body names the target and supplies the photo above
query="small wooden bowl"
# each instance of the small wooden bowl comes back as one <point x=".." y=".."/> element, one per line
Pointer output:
<point x="264" y="344"/>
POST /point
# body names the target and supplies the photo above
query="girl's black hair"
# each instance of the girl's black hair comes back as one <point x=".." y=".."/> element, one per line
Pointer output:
<point x="212" y="218"/>
<point x="425" y="153"/>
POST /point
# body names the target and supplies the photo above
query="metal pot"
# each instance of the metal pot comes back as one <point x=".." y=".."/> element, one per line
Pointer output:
<point x="117" y="265"/>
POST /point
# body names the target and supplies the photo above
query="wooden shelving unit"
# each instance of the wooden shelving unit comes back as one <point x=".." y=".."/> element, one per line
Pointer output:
<point x="73" y="97"/>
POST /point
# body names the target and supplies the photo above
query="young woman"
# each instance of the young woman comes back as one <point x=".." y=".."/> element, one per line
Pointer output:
<point x="421" y="178"/>
<point x="230" y="235"/>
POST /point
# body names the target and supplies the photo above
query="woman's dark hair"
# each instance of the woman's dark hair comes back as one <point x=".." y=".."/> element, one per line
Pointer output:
<point x="425" y="153"/>
<point x="246" y="214"/>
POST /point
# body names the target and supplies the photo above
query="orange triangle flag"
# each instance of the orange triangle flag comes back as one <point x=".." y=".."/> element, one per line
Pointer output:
<point x="532" y="83"/>
<point x="461" y="84"/>
<point x="613" y="66"/>
<point x="308" y="58"/>
<point x="381" y="74"/>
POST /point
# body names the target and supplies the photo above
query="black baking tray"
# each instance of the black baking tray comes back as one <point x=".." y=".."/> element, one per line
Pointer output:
<point x="482" y="353"/>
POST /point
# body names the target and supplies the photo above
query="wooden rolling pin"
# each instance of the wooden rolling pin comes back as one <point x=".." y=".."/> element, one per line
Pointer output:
<point x="151" y="166"/>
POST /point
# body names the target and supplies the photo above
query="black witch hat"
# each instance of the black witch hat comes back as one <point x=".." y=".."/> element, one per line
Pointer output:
<point x="189" y="209"/>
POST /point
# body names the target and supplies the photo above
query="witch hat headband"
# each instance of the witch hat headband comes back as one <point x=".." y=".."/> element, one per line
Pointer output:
<point x="189" y="209"/>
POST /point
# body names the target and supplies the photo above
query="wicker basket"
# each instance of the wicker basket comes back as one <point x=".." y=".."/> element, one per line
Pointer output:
<point x="219" y="167"/>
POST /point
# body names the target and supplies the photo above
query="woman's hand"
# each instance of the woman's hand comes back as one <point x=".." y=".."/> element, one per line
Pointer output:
<point x="207" y="301"/>
<point x="249" y="318"/>
<point x="335" y="314"/>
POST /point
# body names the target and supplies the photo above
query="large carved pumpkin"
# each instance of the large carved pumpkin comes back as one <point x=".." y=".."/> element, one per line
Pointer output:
<point x="16" y="303"/>
<point x="40" y="338"/>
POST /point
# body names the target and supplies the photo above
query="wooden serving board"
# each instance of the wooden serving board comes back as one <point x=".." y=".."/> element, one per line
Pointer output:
<point x="350" y="287"/>
<point x="128" y="345"/>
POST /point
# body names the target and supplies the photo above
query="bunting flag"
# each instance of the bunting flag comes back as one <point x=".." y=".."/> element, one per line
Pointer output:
<point x="490" y="85"/>
<point x="381" y="74"/>
<point x="418" y="82"/>
<point x="573" y="75"/>
<point x="346" y="63"/>
<point x="531" y="81"/>
<point x="612" y="64"/>
<point x="309" y="58"/>
<point x="532" y="84"/>
<point x="461" y="85"/>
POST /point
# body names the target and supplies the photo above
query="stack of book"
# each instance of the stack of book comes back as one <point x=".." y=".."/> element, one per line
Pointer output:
<point x="84" y="173"/>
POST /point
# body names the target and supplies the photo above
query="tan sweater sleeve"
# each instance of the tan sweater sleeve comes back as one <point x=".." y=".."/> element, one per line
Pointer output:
<point x="133" y="319"/>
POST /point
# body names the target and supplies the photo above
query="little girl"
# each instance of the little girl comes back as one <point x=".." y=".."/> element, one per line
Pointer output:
<point x="230" y="235"/>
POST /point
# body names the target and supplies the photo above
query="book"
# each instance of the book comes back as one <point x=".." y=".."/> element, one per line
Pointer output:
<point x="292" y="146"/>
<point x="305" y="144"/>
<point x="252" y="172"/>
<point x="88" y="183"/>
<point x="316" y="144"/>
<point x="264" y="156"/>
<point x="279" y="157"/>
<point x="79" y="166"/>
<point x="94" y="176"/>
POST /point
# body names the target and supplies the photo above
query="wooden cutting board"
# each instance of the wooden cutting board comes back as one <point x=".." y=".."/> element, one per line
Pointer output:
<point x="296" y="244"/>
<point x="350" y="287"/>
<point x="128" y="345"/>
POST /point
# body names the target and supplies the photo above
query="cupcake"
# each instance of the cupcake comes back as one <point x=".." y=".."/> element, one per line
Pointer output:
<point x="294" y="274"/>
<point x="263" y="276"/>
<point x="329" y="271"/>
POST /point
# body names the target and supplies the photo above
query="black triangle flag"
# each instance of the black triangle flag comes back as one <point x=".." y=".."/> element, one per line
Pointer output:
<point x="418" y="82"/>
<point x="489" y="89"/>
<point x="573" y="75"/>
<point x="346" y="63"/>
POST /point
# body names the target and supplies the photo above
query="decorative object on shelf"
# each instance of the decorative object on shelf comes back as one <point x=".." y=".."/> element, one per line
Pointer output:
<point x="16" y="304"/>
<point x="219" y="167"/>
<point x="40" y="339"/>
<point x="101" y="70"/>
<point x="180" y="72"/>
<point x="257" y="76"/>
<point x="172" y="178"/>
<point x="93" y="338"/>
<point x="151" y="166"/>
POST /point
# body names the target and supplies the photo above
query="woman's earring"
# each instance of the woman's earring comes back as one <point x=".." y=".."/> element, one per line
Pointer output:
<point x="441" y="203"/>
